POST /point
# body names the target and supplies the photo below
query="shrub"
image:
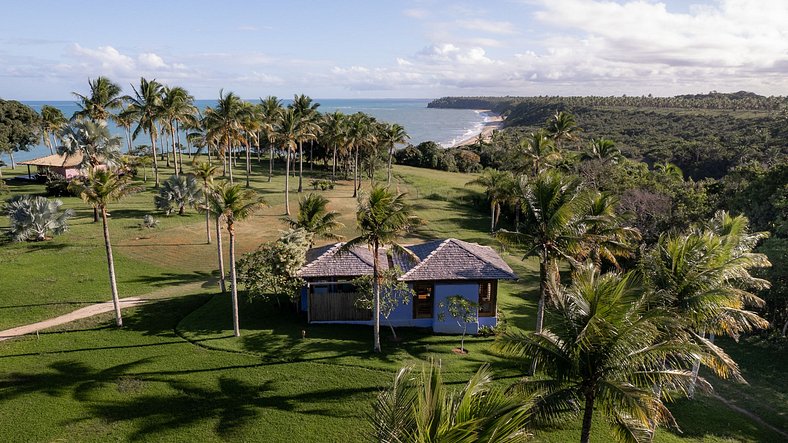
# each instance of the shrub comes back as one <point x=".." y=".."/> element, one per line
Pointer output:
<point x="149" y="222"/>
<point x="178" y="192"/>
<point x="33" y="217"/>
<point x="56" y="185"/>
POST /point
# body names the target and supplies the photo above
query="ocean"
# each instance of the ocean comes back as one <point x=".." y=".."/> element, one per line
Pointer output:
<point x="443" y="126"/>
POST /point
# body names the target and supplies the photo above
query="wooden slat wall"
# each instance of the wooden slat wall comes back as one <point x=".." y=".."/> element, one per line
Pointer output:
<point x="337" y="306"/>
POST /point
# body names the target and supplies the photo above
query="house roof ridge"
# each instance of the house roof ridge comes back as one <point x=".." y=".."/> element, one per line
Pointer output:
<point x="330" y="250"/>
<point x="426" y="259"/>
<point x="463" y="246"/>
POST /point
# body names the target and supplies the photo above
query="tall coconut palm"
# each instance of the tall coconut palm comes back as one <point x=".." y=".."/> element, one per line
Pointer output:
<point x="604" y="350"/>
<point x="104" y="97"/>
<point x="606" y="237"/>
<point x="100" y="188"/>
<point x="251" y="124"/>
<point x="334" y="134"/>
<point x="307" y="110"/>
<point x="382" y="217"/>
<point x="145" y="108"/>
<point x="553" y="205"/>
<point x="393" y="135"/>
<point x="52" y="122"/>
<point x="498" y="186"/>
<point x="125" y="120"/>
<point x="205" y="172"/>
<point x="360" y="135"/>
<point x="421" y="408"/>
<point x="225" y="124"/>
<point x="270" y="114"/>
<point x="315" y="218"/>
<point x="176" y="105"/>
<point x="234" y="203"/>
<point x="535" y="154"/>
<point x="561" y="127"/>
<point x="92" y="141"/>
<point x="288" y="133"/>
<point x="704" y="278"/>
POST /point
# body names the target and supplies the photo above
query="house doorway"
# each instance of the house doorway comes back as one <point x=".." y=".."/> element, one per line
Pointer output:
<point x="423" y="300"/>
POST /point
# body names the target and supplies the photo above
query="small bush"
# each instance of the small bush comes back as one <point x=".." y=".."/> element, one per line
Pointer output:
<point x="148" y="222"/>
<point x="56" y="185"/>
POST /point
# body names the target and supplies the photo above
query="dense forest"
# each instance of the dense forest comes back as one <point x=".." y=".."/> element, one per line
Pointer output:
<point x="671" y="162"/>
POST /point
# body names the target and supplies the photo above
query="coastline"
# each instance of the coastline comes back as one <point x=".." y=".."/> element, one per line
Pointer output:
<point x="492" y="122"/>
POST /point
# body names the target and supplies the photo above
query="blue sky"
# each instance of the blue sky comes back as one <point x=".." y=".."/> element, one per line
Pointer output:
<point x="409" y="48"/>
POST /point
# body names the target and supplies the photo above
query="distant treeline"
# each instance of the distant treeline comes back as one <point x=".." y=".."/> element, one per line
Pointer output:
<point x="741" y="100"/>
<point x="705" y="135"/>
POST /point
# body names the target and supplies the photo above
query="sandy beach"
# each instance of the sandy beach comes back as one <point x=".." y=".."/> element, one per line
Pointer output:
<point x="492" y="122"/>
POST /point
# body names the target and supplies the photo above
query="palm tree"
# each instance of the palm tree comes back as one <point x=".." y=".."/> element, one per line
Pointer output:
<point x="315" y="218"/>
<point x="669" y="170"/>
<point x="498" y="185"/>
<point x="205" y="172"/>
<point x="32" y="217"/>
<point x="103" y="98"/>
<point x="561" y="127"/>
<point x="225" y="124"/>
<point x="52" y="122"/>
<point x="603" y="150"/>
<point x="125" y="120"/>
<point x="360" y="135"/>
<point x="176" y="105"/>
<point x="382" y="217"/>
<point x="553" y="206"/>
<point x="605" y="237"/>
<point x="100" y="188"/>
<point x="251" y="123"/>
<point x="392" y="136"/>
<point x="234" y="203"/>
<point x="288" y="133"/>
<point x="145" y="109"/>
<point x="421" y="408"/>
<point x="703" y="277"/>
<point x="178" y="191"/>
<point x="535" y="154"/>
<point x="307" y="111"/>
<point x="334" y="133"/>
<point x="271" y="115"/>
<point x="92" y="141"/>
<point x="604" y="347"/>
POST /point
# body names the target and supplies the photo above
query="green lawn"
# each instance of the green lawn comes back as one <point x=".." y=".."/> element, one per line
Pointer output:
<point x="175" y="373"/>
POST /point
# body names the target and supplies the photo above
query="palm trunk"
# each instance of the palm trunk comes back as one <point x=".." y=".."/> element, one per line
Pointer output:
<point x="588" y="414"/>
<point x="180" y="147"/>
<point x="391" y="154"/>
<point x="271" y="163"/>
<point x="300" y="167"/>
<point x="248" y="162"/>
<point x="222" y="283"/>
<point x="113" y="285"/>
<point x="154" y="153"/>
<point x="334" y="168"/>
<point x="696" y="369"/>
<point x="543" y="276"/>
<point x="230" y="163"/>
<point x="48" y="143"/>
<point x="95" y="214"/>
<point x="287" y="183"/>
<point x="492" y="216"/>
<point x="233" y="280"/>
<point x="376" y="300"/>
<point x="128" y="140"/>
<point x="311" y="160"/>
<point x="355" y="175"/>
<point x="207" y="216"/>
<point x="174" y="155"/>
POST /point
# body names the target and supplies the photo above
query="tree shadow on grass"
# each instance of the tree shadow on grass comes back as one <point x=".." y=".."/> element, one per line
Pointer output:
<point x="177" y="278"/>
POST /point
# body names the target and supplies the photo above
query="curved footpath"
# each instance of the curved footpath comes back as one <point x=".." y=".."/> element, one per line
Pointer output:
<point x="88" y="311"/>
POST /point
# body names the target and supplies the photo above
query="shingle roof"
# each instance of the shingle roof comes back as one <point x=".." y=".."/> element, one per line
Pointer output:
<point x="329" y="261"/>
<point x="449" y="259"/>
<point x="455" y="259"/>
<point x="56" y="160"/>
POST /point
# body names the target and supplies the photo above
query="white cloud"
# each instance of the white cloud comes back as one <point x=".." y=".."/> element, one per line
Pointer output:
<point x="488" y="26"/>
<point x="416" y="13"/>
<point x="149" y="60"/>
<point x="106" y="57"/>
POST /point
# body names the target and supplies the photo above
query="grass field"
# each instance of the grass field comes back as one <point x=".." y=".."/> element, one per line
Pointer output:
<point x="175" y="373"/>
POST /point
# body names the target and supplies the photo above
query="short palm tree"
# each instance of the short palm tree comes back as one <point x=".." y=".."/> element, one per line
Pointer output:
<point x="205" y="172"/>
<point x="604" y="349"/>
<point x="421" y="408"/>
<point x="498" y="186"/>
<point x="234" y="203"/>
<point x="145" y="108"/>
<point x="178" y="191"/>
<point x="100" y="188"/>
<point x="382" y="217"/>
<point x="603" y="150"/>
<point x="104" y="97"/>
<point x="314" y="217"/>
<point x="606" y="238"/>
<point x="535" y="154"/>
<point x="562" y="127"/>
<point x="32" y="217"/>
<point x="52" y="122"/>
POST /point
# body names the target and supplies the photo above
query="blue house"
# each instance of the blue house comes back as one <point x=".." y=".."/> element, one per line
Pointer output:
<point x="442" y="268"/>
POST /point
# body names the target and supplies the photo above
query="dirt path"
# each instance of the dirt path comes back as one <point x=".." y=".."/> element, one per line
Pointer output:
<point x="99" y="308"/>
